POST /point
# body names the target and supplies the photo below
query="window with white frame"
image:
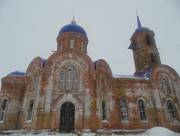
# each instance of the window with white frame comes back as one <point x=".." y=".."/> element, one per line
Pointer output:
<point x="142" y="110"/>
<point x="171" y="110"/>
<point x="3" y="110"/>
<point x="103" y="110"/>
<point x="72" y="43"/>
<point x="62" y="80"/>
<point x="123" y="110"/>
<point x="165" y="85"/>
<point x="102" y="83"/>
<point x="69" y="79"/>
<point x="30" y="110"/>
<point x="76" y="80"/>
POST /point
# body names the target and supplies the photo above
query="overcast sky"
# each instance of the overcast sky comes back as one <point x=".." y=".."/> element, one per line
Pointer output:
<point x="28" y="28"/>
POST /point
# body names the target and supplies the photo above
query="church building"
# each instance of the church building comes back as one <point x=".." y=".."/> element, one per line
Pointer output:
<point x="69" y="92"/>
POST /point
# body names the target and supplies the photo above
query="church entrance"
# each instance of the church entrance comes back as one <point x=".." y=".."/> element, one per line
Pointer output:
<point x="67" y="115"/>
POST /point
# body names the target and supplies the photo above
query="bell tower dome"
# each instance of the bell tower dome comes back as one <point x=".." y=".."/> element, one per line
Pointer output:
<point x="72" y="36"/>
<point x="144" y="49"/>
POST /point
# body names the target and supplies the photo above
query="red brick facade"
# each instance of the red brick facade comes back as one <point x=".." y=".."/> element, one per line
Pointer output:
<point x="70" y="92"/>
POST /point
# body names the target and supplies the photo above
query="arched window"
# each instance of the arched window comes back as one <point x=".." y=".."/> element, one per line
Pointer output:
<point x="62" y="80"/>
<point x="136" y="62"/>
<point x="148" y="40"/>
<point x="123" y="110"/>
<point x="69" y="79"/>
<point x="30" y="110"/>
<point x="62" y="45"/>
<point x="102" y="83"/>
<point x="134" y="45"/>
<point x="76" y="80"/>
<point x="153" y="59"/>
<point x="103" y="110"/>
<point x="82" y="46"/>
<point x="165" y="85"/>
<point x="3" y="110"/>
<point x="142" y="111"/>
<point x="72" y="43"/>
<point x="171" y="111"/>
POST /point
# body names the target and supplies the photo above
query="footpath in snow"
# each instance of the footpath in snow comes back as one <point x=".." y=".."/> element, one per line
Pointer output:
<point x="156" y="131"/>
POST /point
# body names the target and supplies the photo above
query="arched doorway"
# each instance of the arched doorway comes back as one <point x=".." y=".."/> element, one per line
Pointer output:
<point x="67" y="115"/>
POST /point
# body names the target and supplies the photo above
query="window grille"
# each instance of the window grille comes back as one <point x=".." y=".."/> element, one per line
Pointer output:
<point x="69" y="79"/>
<point x="3" y="110"/>
<point x="170" y="108"/>
<point x="142" y="112"/>
<point x="62" y="80"/>
<point x="123" y="110"/>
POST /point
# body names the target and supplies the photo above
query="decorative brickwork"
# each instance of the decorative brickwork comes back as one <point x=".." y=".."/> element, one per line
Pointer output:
<point x="69" y="92"/>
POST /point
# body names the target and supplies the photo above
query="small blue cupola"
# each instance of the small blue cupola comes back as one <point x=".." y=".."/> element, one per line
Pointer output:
<point x="73" y="27"/>
<point x="72" y="36"/>
<point x="140" y="28"/>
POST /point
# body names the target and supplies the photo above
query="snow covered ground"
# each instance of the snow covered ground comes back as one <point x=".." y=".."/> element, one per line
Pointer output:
<point x="156" y="131"/>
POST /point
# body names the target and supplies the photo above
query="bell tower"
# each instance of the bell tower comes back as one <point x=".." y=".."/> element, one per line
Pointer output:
<point x="144" y="49"/>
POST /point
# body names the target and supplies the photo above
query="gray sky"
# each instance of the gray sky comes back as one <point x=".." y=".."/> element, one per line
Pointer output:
<point x="28" y="28"/>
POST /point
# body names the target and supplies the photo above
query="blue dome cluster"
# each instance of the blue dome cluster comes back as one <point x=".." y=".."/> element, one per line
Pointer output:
<point x="73" y="27"/>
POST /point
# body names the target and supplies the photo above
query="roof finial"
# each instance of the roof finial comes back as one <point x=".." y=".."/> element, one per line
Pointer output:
<point x="73" y="21"/>
<point x="73" y="16"/>
<point x="138" y="21"/>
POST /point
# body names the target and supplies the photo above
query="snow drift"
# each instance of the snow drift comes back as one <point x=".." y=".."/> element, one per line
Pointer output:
<point x="156" y="131"/>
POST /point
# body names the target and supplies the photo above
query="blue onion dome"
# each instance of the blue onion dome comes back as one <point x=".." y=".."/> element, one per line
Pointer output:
<point x="17" y="73"/>
<point x="73" y="27"/>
